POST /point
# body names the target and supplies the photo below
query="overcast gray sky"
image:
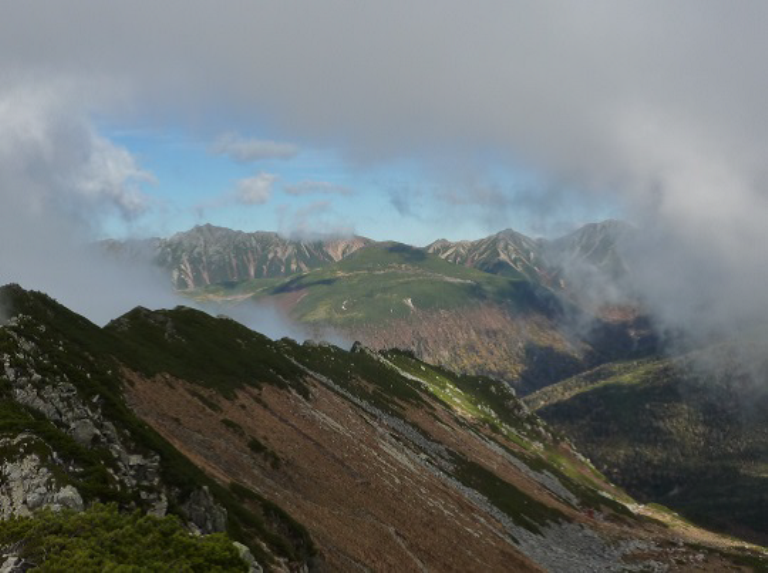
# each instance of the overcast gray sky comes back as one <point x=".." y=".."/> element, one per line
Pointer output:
<point x="654" y="105"/>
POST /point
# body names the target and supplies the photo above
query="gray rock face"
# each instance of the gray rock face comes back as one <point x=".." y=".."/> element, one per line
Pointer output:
<point x="11" y="564"/>
<point x="28" y="478"/>
<point x="84" y="432"/>
<point x="204" y="513"/>
<point x="34" y="476"/>
<point x="27" y="484"/>
<point x="208" y="255"/>
<point x="247" y="556"/>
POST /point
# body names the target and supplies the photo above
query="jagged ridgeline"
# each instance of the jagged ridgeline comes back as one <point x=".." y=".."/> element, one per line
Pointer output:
<point x="309" y="456"/>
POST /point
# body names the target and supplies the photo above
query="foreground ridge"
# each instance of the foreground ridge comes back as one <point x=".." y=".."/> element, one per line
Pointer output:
<point x="311" y="456"/>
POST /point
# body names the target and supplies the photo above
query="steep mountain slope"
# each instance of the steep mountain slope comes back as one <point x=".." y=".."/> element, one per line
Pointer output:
<point x="390" y="463"/>
<point x="372" y="450"/>
<point x="68" y="440"/>
<point x="209" y="255"/>
<point x="593" y="248"/>
<point x="590" y="267"/>
<point x="691" y="433"/>
<point x="392" y="295"/>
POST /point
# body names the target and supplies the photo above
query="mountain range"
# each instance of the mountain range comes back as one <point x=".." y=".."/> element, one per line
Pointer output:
<point x="495" y="306"/>
<point x="558" y="321"/>
<point x="310" y="457"/>
<point x="208" y="255"/>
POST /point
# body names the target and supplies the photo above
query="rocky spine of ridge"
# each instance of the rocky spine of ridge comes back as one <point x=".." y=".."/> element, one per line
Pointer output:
<point x="208" y="255"/>
<point x="591" y="251"/>
<point x="68" y="440"/>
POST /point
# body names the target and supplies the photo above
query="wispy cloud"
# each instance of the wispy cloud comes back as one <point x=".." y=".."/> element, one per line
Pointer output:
<point x="255" y="190"/>
<point x="250" y="191"/>
<point x="310" y="187"/>
<point x="316" y="221"/>
<point x="248" y="150"/>
<point x="112" y="174"/>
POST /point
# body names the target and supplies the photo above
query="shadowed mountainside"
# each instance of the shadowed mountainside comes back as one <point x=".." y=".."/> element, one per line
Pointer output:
<point x="689" y="432"/>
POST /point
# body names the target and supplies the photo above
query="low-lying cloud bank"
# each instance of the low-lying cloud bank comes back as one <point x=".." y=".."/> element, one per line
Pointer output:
<point x="59" y="180"/>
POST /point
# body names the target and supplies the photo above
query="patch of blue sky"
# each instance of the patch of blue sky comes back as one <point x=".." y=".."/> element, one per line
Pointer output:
<point x="402" y="199"/>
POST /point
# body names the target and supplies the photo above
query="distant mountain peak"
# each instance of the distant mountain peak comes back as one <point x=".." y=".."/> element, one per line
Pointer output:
<point x="207" y="254"/>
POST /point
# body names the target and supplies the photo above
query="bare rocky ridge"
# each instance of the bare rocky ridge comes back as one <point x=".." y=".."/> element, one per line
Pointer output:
<point x="209" y="255"/>
<point x="507" y="252"/>
<point x="58" y="400"/>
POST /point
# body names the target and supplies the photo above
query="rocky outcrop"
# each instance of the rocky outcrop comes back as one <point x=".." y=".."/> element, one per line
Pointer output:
<point x="40" y="478"/>
<point x="247" y="556"/>
<point x="204" y="514"/>
<point x="59" y="401"/>
<point x="68" y="441"/>
<point x="28" y="481"/>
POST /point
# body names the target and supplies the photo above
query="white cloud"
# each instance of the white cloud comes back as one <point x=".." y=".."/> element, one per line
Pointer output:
<point x="51" y="147"/>
<point x="310" y="187"/>
<point x="255" y="190"/>
<point x="112" y="174"/>
<point x="314" y="222"/>
<point x="244" y="150"/>
<point x="59" y="180"/>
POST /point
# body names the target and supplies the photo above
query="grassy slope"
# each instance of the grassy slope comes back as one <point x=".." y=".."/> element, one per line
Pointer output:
<point x="377" y="283"/>
<point x="698" y="444"/>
